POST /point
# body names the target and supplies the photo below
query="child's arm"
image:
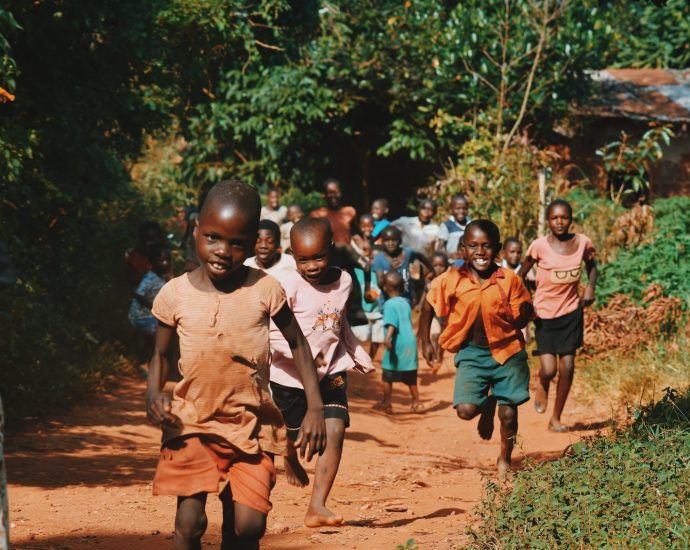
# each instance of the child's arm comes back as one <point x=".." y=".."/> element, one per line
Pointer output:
<point x="520" y="304"/>
<point x="526" y="266"/>
<point x="143" y="300"/>
<point x="389" y="342"/>
<point x="425" y="318"/>
<point x="313" y="430"/>
<point x="427" y="263"/>
<point x="157" y="401"/>
<point x="592" y="273"/>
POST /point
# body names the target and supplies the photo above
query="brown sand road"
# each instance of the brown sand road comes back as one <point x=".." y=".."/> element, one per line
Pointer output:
<point x="82" y="480"/>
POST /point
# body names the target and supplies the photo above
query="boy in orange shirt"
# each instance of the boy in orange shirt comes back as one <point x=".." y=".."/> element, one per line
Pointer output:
<point x="222" y="423"/>
<point x="486" y="307"/>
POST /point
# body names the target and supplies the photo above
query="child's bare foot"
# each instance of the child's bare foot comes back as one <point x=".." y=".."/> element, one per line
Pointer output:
<point x="295" y="473"/>
<point x="383" y="406"/>
<point x="320" y="516"/>
<point x="541" y="399"/>
<point x="417" y="408"/>
<point x="502" y="467"/>
<point x="485" y="426"/>
<point x="556" y="426"/>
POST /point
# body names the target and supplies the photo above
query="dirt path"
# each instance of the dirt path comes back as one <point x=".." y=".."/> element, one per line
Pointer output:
<point x="82" y="480"/>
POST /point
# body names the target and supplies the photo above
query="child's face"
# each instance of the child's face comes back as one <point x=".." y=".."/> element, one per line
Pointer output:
<point x="512" y="252"/>
<point x="379" y="210"/>
<point x="366" y="226"/>
<point x="273" y="199"/>
<point x="480" y="251"/>
<point x="332" y="196"/>
<point x="266" y="247"/>
<point x="311" y="251"/>
<point x="460" y="209"/>
<point x="391" y="241"/>
<point x="439" y="264"/>
<point x="224" y="238"/>
<point x="559" y="220"/>
<point x="426" y="211"/>
<point x="295" y="214"/>
<point x="162" y="264"/>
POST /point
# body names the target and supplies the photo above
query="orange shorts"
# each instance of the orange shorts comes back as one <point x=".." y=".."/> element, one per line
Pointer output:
<point x="199" y="464"/>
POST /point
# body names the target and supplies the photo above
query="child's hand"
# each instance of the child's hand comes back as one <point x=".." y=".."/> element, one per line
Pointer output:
<point x="158" y="408"/>
<point x="526" y="310"/>
<point x="429" y="354"/>
<point x="588" y="297"/>
<point x="311" y="434"/>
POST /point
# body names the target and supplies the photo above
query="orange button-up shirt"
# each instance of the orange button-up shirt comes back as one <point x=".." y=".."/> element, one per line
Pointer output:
<point x="457" y="296"/>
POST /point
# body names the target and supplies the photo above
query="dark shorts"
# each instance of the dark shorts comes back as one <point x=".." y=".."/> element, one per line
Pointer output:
<point x="292" y="402"/>
<point x="478" y="372"/>
<point x="560" y="336"/>
<point x="408" y="377"/>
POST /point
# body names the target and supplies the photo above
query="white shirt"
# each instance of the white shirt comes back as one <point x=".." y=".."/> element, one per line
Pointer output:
<point x="418" y="237"/>
<point x="282" y="267"/>
<point x="279" y="215"/>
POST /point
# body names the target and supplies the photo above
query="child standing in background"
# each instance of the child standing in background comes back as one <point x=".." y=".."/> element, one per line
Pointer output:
<point x="399" y="362"/>
<point x="441" y="264"/>
<point x="294" y="214"/>
<point x="379" y="211"/>
<point x="559" y="324"/>
<point x="317" y="293"/>
<point x="268" y="256"/>
<point x="451" y="231"/>
<point x="140" y="315"/>
<point x="273" y="211"/>
<point x="512" y="257"/>
<point x="222" y="423"/>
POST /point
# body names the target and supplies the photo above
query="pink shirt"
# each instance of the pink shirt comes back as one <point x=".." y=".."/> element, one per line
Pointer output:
<point x="320" y="312"/>
<point x="558" y="276"/>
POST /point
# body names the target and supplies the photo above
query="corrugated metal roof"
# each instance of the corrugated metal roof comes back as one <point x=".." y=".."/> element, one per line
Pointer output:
<point x="642" y="94"/>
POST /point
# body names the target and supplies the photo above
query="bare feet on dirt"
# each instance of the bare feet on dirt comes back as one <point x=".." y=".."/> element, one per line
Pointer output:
<point x="556" y="426"/>
<point x="485" y="426"/>
<point x="294" y="472"/>
<point x="322" y="517"/>
<point x="541" y="399"/>
<point x="382" y="406"/>
<point x="502" y="467"/>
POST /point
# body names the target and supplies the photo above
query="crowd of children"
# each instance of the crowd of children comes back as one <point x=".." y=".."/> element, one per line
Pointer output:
<point x="273" y="315"/>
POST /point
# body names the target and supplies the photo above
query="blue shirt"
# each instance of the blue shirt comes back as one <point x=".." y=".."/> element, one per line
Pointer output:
<point x="149" y="287"/>
<point x="381" y="263"/>
<point x="379" y="225"/>
<point x="374" y="286"/>
<point x="398" y="314"/>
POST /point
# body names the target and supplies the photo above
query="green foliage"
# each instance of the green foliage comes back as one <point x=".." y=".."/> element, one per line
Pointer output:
<point x="663" y="260"/>
<point x="409" y="545"/>
<point x="630" y="490"/>
<point x="628" y="165"/>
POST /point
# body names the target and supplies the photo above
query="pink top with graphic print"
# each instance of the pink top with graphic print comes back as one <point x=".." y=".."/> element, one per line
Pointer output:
<point x="558" y="276"/>
<point x="320" y="312"/>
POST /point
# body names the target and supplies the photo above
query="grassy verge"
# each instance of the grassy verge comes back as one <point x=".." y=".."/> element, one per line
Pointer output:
<point x="627" y="490"/>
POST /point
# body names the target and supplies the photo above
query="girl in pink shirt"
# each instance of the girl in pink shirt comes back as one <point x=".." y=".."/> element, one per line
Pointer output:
<point x="317" y="295"/>
<point x="559" y="324"/>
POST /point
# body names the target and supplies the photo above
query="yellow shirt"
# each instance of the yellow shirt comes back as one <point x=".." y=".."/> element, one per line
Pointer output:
<point x="457" y="296"/>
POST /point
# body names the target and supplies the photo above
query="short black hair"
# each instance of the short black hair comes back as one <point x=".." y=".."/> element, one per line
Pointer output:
<point x="442" y="255"/>
<point x="487" y="227"/>
<point x="382" y="200"/>
<point x="156" y="251"/>
<point x="310" y="226"/>
<point x="559" y="202"/>
<point x="273" y="190"/>
<point x="514" y="240"/>
<point x="365" y="215"/>
<point x="432" y="201"/>
<point x="395" y="279"/>
<point x="459" y="197"/>
<point x="328" y="181"/>
<point x="237" y="194"/>
<point x="270" y="225"/>
<point x="392" y="229"/>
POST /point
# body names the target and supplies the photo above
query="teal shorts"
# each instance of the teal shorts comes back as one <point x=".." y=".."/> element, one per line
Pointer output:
<point x="478" y="372"/>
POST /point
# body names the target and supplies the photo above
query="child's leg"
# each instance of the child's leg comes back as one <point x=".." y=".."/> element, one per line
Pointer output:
<point x="190" y="522"/>
<point x="566" y="370"/>
<point x="326" y="469"/>
<point x="414" y="393"/>
<point x="373" y="349"/>
<point x="387" y="394"/>
<point x="508" y="415"/>
<point x="243" y="526"/>
<point x="293" y="406"/>
<point x="546" y="374"/>
<point x="487" y="410"/>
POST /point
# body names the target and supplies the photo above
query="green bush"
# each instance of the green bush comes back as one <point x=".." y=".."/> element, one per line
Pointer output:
<point x="662" y="260"/>
<point x="629" y="490"/>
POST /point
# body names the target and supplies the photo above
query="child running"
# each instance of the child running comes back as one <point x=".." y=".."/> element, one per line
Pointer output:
<point x="268" y="256"/>
<point x="559" y="324"/>
<point x="512" y="259"/>
<point x="222" y="423"/>
<point x="441" y="264"/>
<point x="399" y="362"/>
<point x="486" y="306"/>
<point x="317" y="293"/>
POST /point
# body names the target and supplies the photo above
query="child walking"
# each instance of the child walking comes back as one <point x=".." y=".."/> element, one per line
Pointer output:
<point x="559" y="324"/>
<point x="399" y="362"/>
<point x="317" y="293"/>
<point x="222" y="424"/>
<point x="512" y="259"/>
<point x="486" y="306"/>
